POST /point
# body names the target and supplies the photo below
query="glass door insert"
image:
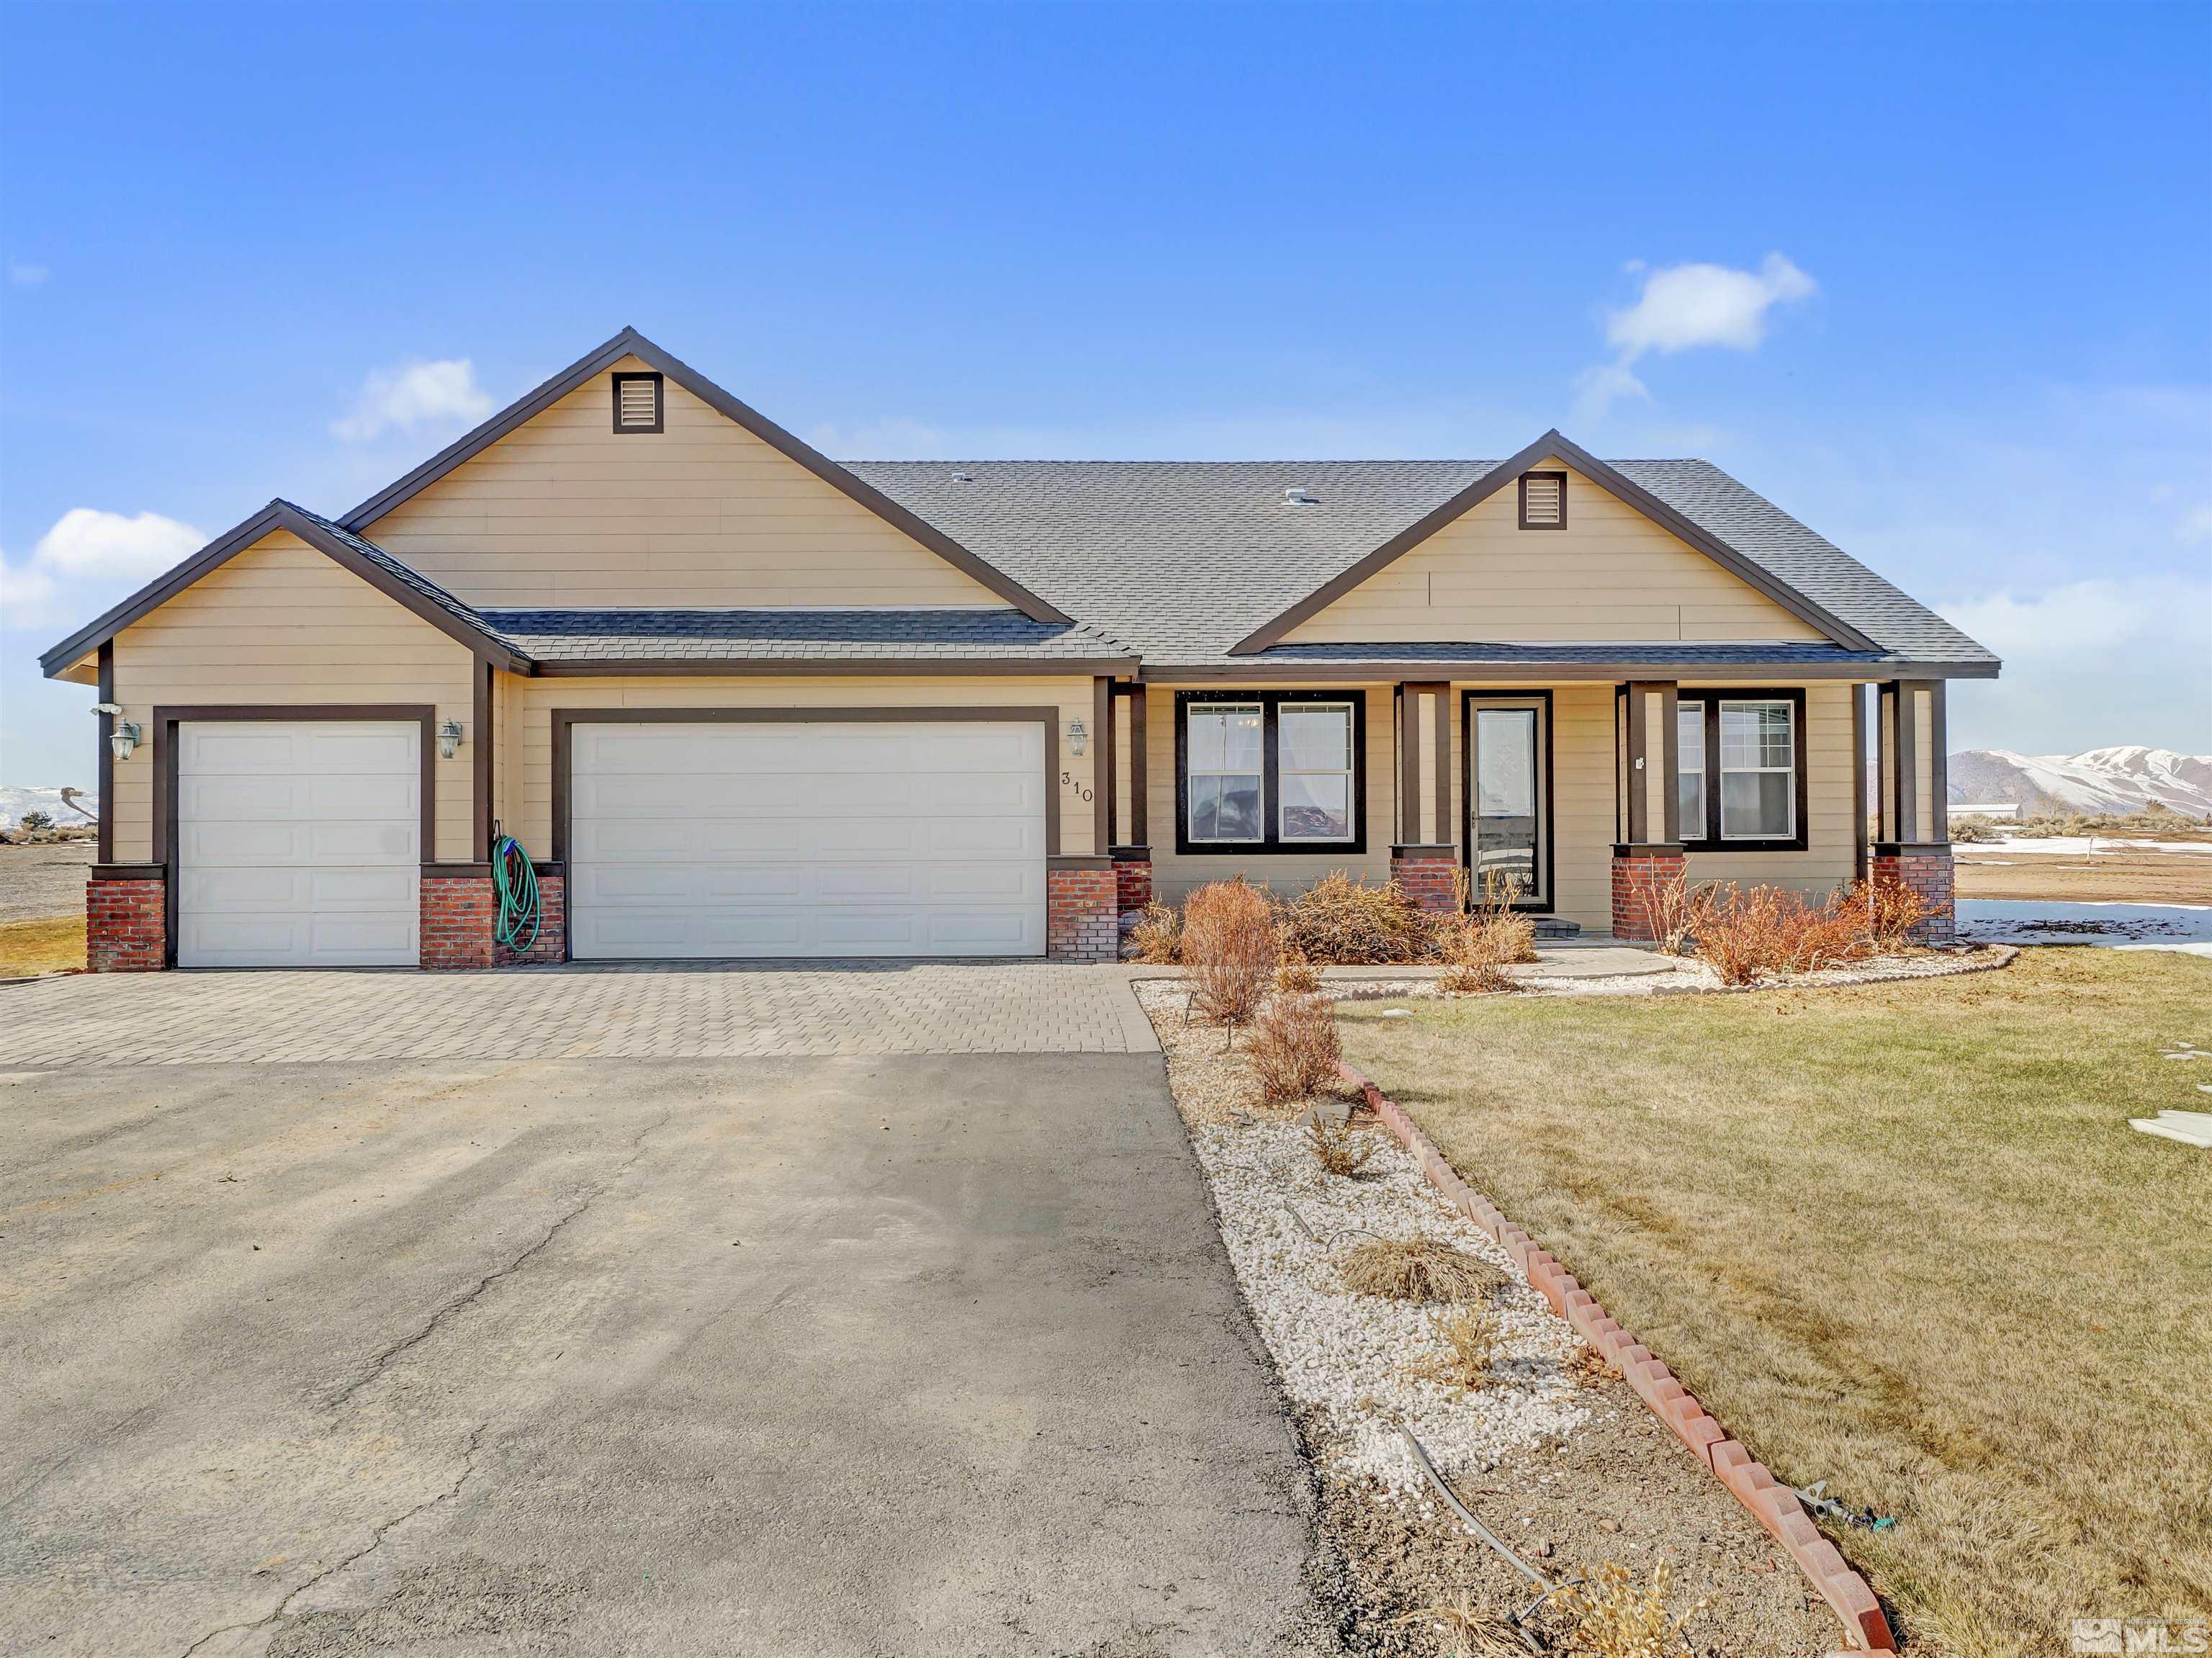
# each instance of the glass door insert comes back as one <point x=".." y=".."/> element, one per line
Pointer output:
<point x="1509" y="797"/>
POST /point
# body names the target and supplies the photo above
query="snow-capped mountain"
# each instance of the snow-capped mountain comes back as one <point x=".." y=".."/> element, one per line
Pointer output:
<point x="2117" y="780"/>
<point x="13" y="803"/>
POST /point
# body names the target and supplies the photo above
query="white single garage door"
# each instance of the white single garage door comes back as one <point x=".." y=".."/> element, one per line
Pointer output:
<point x="299" y="844"/>
<point x="806" y="839"/>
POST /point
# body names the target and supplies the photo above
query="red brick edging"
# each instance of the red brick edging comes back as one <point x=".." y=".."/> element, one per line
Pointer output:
<point x="1772" y="1503"/>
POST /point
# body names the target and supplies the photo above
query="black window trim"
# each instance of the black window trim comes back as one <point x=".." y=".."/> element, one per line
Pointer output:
<point x="1273" y="845"/>
<point x="659" y="406"/>
<point x="1522" y="485"/>
<point x="1710" y="840"/>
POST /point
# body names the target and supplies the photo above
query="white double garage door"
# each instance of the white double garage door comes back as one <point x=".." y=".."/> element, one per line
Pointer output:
<point x="300" y="845"/>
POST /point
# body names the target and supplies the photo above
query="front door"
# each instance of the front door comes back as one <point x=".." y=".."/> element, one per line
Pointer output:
<point x="1509" y="796"/>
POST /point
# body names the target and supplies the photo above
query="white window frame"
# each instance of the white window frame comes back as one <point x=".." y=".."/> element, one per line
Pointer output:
<point x="1349" y="772"/>
<point x="1192" y="774"/>
<point x="1718" y="807"/>
<point x="1689" y="829"/>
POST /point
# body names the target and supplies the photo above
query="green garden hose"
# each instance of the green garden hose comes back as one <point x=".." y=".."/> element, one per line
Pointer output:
<point x="516" y="882"/>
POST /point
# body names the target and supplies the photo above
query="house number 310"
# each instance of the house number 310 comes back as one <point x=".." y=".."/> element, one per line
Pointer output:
<point x="1068" y="778"/>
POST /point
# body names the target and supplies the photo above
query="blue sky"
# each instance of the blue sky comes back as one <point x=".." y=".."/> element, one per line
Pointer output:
<point x="1949" y="294"/>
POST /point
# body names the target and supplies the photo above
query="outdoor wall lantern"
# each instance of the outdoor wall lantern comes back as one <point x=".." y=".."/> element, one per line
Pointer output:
<point x="125" y="735"/>
<point x="1079" y="739"/>
<point x="449" y="739"/>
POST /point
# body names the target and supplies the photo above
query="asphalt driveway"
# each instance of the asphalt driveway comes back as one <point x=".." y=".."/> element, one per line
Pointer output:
<point x="902" y="1353"/>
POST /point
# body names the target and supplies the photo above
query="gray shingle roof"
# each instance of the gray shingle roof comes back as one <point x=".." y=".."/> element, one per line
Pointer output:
<point x="1183" y="558"/>
<point x="763" y="635"/>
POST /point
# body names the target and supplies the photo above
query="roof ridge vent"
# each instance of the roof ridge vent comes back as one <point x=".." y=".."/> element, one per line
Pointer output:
<point x="1299" y="495"/>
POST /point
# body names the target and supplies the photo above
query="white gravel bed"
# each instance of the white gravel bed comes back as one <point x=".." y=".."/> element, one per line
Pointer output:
<point x="1353" y="1355"/>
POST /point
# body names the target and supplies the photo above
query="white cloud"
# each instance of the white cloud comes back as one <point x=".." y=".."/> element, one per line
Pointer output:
<point x="26" y="596"/>
<point x="408" y="396"/>
<point x="26" y="276"/>
<point x="88" y="545"/>
<point x="2196" y="526"/>
<point x="1683" y="308"/>
<point x="2120" y="660"/>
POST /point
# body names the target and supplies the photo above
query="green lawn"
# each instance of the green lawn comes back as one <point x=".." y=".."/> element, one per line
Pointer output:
<point x="1897" y="1236"/>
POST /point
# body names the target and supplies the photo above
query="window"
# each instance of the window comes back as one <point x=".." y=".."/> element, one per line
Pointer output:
<point x="1226" y="771"/>
<point x="1271" y="771"/>
<point x="1543" y="501"/>
<point x="1759" y="769"/>
<point x="1314" y="761"/>
<point x="1690" y="775"/>
<point x="637" y="402"/>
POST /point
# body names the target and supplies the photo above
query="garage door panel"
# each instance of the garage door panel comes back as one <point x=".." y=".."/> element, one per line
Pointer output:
<point x="828" y="838"/>
<point x="298" y="843"/>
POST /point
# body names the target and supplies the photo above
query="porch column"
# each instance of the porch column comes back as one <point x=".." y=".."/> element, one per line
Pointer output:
<point x="1648" y="813"/>
<point x="1425" y="860"/>
<point x="1912" y="839"/>
<point x="1128" y="834"/>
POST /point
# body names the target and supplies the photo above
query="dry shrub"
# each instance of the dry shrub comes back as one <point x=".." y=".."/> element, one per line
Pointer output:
<point x="1337" y="1147"/>
<point x="1514" y="937"/>
<point x="1474" y="959"/>
<point x="1296" y="976"/>
<point x="1418" y="1269"/>
<point x="1615" y="1617"/>
<point x="1675" y="908"/>
<point x="1748" y="932"/>
<point x="1340" y="922"/>
<point x="1886" y="912"/>
<point x="1157" y="934"/>
<point x="1294" y="1047"/>
<point x="1471" y="1339"/>
<point x="1228" y="949"/>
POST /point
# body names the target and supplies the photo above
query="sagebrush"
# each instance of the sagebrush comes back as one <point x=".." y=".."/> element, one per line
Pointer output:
<point x="1228" y="949"/>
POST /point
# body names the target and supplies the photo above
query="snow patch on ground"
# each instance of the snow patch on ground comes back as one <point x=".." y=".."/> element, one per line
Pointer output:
<point x="2184" y="927"/>
<point x="1353" y="1355"/>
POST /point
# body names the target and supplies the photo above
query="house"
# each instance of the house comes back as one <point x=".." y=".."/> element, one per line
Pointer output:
<point x="738" y="699"/>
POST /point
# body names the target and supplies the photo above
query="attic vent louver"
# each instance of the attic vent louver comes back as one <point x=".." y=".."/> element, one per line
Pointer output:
<point x="1543" y="501"/>
<point x="637" y="402"/>
<point x="1297" y="496"/>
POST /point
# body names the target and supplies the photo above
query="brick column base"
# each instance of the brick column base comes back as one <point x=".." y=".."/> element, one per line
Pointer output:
<point x="1081" y="912"/>
<point x="126" y="923"/>
<point x="1133" y="877"/>
<point x="552" y="925"/>
<point x="1427" y="874"/>
<point x="1927" y="871"/>
<point x="1638" y="874"/>
<point x="458" y="913"/>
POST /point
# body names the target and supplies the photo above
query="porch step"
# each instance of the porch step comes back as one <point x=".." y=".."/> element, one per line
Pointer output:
<point x="1551" y="927"/>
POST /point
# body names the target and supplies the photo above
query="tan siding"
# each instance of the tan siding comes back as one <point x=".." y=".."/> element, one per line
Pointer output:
<point x="280" y="623"/>
<point x="1174" y="875"/>
<point x="1611" y="574"/>
<point x="525" y="802"/>
<point x="562" y="510"/>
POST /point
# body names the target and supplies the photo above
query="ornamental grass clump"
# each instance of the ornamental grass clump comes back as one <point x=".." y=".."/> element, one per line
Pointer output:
<point x="1616" y="1616"/>
<point x="1338" y="1147"/>
<point x="1294" y="1047"/>
<point x="1342" y="922"/>
<point x="1473" y="1344"/>
<point x="1418" y="1269"/>
<point x="1228" y="949"/>
<point x="1157" y="935"/>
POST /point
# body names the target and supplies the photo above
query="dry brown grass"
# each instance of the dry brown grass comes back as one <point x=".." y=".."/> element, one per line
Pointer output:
<point x="1158" y="934"/>
<point x="1613" y="1616"/>
<point x="2155" y="823"/>
<point x="1338" y="1147"/>
<point x="1294" y="1047"/>
<point x="1473" y="1631"/>
<point x="2128" y="875"/>
<point x="1342" y="922"/>
<point x="1475" y="952"/>
<point x="1897" y="1237"/>
<point x="1470" y="1338"/>
<point x="1228" y="949"/>
<point x="52" y="945"/>
<point x="1416" y="1269"/>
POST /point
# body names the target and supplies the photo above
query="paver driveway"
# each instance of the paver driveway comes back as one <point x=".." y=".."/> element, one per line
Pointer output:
<point x="892" y="1353"/>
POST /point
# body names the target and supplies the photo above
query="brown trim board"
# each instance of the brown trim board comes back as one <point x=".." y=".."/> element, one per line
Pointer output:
<point x="1384" y="669"/>
<point x="1510" y="695"/>
<point x="615" y="667"/>
<point x="1551" y="445"/>
<point x="631" y="343"/>
<point x="481" y="766"/>
<point x="105" y="772"/>
<point x="163" y="736"/>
